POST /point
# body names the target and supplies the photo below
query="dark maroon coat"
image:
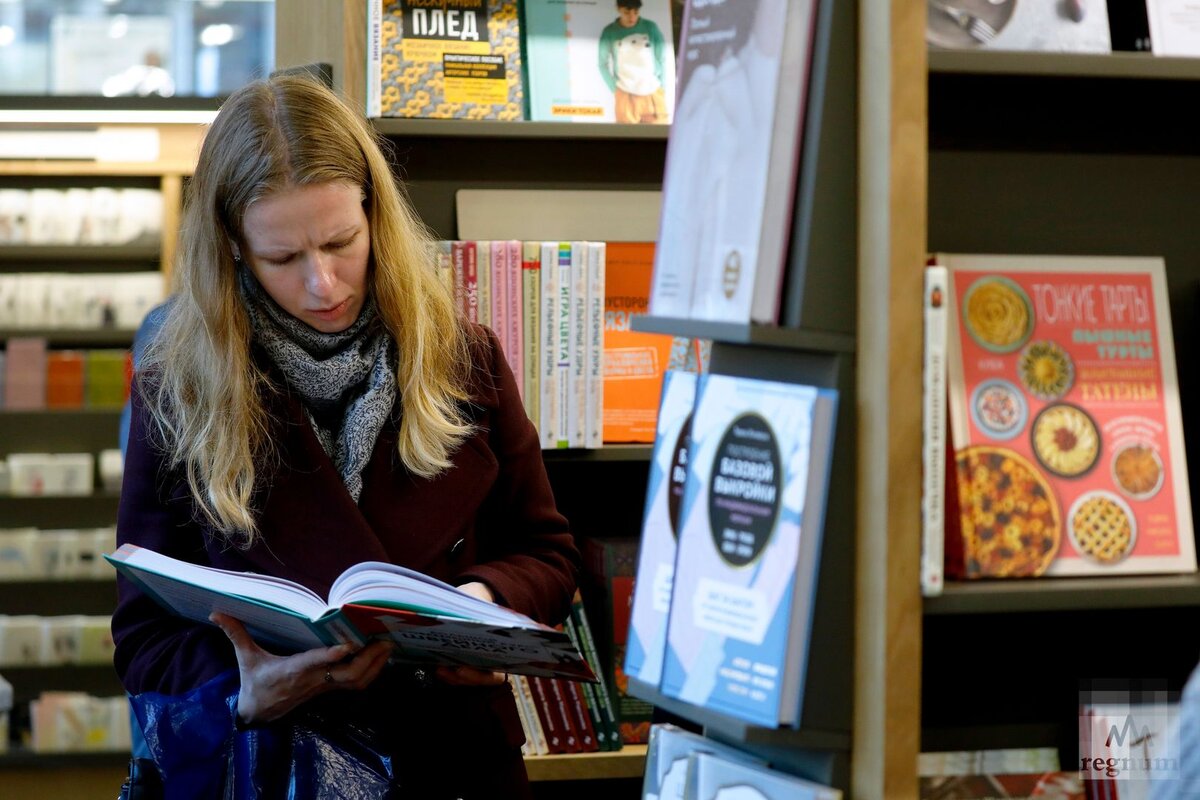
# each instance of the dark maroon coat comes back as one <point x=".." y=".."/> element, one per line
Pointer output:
<point x="490" y="518"/>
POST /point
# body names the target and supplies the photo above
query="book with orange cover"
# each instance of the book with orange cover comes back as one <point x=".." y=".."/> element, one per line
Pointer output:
<point x="634" y="362"/>
<point x="64" y="379"/>
<point x="1065" y="418"/>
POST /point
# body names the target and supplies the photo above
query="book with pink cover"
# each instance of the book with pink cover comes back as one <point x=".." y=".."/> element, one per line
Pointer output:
<point x="1065" y="417"/>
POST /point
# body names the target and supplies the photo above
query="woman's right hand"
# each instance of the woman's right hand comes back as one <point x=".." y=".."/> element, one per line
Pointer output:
<point x="274" y="685"/>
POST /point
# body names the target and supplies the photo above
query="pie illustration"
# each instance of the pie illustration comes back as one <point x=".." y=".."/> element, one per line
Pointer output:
<point x="1011" y="523"/>
<point x="1102" y="527"/>
<point x="1065" y="440"/>
<point x="1046" y="370"/>
<point x="1138" y="471"/>
<point x="998" y="314"/>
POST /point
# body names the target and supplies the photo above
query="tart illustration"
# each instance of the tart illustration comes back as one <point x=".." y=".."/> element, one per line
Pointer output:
<point x="1102" y="527"/>
<point x="1046" y="370"/>
<point x="1011" y="523"/>
<point x="1138" y="471"/>
<point x="1065" y="440"/>
<point x="998" y="314"/>
<point x="998" y="408"/>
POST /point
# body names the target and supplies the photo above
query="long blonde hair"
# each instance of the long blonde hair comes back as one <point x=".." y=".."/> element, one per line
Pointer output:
<point x="203" y="389"/>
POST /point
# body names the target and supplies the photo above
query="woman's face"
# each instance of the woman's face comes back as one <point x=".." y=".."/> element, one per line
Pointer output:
<point x="309" y="247"/>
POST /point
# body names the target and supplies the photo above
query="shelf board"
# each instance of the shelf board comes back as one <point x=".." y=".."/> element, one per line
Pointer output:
<point x="610" y="452"/>
<point x="1137" y="66"/>
<point x="492" y="129"/>
<point x="79" y="337"/>
<point x="760" y="335"/>
<point x="1066" y="594"/>
<point x="31" y="415"/>
<point x="628" y="762"/>
<point x="732" y="729"/>
<point x="11" y="254"/>
<point x="115" y="169"/>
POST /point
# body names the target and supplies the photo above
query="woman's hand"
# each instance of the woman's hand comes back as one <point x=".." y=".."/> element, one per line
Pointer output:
<point x="469" y="676"/>
<point x="274" y="685"/>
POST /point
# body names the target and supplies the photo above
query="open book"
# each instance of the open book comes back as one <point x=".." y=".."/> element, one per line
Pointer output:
<point x="429" y="621"/>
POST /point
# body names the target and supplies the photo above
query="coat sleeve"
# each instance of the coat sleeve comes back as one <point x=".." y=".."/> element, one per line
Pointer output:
<point x="529" y="558"/>
<point x="155" y="650"/>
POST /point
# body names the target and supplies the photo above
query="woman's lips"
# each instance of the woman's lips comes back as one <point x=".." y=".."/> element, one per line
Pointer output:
<point x="331" y="313"/>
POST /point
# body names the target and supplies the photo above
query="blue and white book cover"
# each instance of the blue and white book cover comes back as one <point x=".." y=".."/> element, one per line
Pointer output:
<point x="711" y="777"/>
<point x="667" y="760"/>
<point x="656" y="555"/>
<point x="749" y="548"/>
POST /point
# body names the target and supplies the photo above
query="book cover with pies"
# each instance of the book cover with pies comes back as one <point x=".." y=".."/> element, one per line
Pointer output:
<point x="750" y="531"/>
<point x="1065" y="417"/>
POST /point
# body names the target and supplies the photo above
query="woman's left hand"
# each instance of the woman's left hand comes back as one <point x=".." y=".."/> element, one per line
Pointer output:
<point x="469" y="676"/>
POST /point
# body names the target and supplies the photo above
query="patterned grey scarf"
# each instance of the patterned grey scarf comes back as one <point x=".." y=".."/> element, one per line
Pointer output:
<point x="346" y="380"/>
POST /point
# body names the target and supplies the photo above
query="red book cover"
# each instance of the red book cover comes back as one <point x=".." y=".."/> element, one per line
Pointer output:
<point x="552" y="725"/>
<point x="560" y="706"/>
<point x="64" y="379"/>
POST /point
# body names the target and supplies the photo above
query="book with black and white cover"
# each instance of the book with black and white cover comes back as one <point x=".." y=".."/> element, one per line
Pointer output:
<point x="732" y="160"/>
<point x="750" y="533"/>
<point x="428" y="621"/>
<point x="660" y="524"/>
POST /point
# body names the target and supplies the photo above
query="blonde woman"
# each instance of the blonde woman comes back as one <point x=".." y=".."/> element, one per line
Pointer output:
<point x="313" y="400"/>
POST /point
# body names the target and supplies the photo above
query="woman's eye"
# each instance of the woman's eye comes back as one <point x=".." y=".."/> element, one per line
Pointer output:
<point x="280" y="262"/>
<point x="342" y="245"/>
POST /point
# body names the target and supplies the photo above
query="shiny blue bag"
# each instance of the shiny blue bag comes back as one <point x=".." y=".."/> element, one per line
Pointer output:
<point x="201" y="753"/>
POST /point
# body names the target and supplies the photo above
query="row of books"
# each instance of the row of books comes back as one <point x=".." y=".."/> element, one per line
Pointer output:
<point x="67" y="553"/>
<point x="731" y="541"/>
<point x="74" y="722"/>
<point x="542" y="60"/>
<point x="33" y="377"/>
<point x="36" y="641"/>
<point x="563" y="312"/>
<point x="78" y="302"/>
<point x="48" y="474"/>
<point x="1161" y="27"/>
<point x="1062" y="452"/>
<point x="681" y="764"/>
<point x="1013" y="772"/>
<point x="563" y="716"/>
<point x="99" y="216"/>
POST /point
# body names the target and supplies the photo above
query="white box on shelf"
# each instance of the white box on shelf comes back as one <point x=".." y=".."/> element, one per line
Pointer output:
<point x="97" y="544"/>
<point x="62" y="639"/>
<point x="45" y="216"/>
<point x="96" y="642"/>
<point x="18" y="547"/>
<point x="112" y="467"/>
<point x="102" y="225"/>
<point x="57" y="553"/>
<point x="14" y="216"/>
<point x="74" y="214"/>
<point x="20" y="640"/>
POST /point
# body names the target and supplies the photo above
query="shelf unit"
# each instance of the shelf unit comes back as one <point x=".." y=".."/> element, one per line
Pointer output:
<point x="1085" y="178"/>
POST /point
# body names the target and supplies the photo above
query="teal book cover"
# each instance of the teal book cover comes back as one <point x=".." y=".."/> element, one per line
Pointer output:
<point x="600" y="61"/>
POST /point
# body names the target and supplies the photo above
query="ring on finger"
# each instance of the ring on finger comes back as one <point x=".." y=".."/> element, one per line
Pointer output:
<point x="328" y="676"/>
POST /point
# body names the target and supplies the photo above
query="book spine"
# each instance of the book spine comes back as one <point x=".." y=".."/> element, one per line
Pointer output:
<point x="537" y="736"/>
<point x="556" y="741"/>
<point x="561" y="708"/>
<point x="564" y="340"/>
<point x="498" y="300"/>
<point x="577" y="415"/>
<point x="445" y="266"/>
<point x="531" y="276"/>
<point x="527" y="747"/>
<point x="581" y="719"/>
<point x="594" y="433"/>
<point x="513" y="280"/>
<point x="548" y="426"/>
<point x="591" y="701"/>
<point x="458" y="258"/>
<point x="483" y="280"/>
<point x="374" y="55"/>
<point x="608" y="711"/>
<point x="933" y="452"/>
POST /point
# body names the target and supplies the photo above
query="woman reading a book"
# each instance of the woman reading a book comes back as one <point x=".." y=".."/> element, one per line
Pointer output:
<point x="315" y="399"/>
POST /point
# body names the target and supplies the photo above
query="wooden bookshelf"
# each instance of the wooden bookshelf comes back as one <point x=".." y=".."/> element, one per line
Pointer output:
<point x="70" y="255"/>
<point x="74" y="337"/>
<point x="1066" y="594"/>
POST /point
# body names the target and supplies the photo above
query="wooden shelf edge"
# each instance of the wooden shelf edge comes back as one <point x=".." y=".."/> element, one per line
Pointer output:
<point x="628" y="762"/>
<point x="90" y="337"/>
<point x="493" y="129"/>
<point x="113" y="169"/>
<point x="1138" y="66"/>
<point x="1066" y="594"/>
<point x="91" y="252"/>
<point x="609" y="452"/>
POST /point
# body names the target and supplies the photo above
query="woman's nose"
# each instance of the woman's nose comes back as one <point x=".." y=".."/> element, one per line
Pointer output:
<point x="319" y="277"/>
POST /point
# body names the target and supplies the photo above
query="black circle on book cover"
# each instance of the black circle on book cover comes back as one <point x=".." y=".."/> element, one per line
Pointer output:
<point x="744" y="490"/>
<point x="678" y="477"/>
